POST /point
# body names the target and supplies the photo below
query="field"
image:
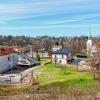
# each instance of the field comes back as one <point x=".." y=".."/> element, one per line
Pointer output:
<point x="52" y="76"/>
<point x="56" y="82"/>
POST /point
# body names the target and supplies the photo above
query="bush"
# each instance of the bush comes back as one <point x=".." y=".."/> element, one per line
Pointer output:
<point x="38" y="57"/>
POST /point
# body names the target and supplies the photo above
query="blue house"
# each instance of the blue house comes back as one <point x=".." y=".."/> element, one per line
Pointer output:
<point x="61" y="56"/>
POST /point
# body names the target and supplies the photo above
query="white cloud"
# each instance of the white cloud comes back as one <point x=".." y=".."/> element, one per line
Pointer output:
<point x="73" y="11"/>
<point x="41" y="8"/>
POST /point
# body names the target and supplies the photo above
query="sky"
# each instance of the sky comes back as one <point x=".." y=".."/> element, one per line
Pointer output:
<point x="49" y="17"/>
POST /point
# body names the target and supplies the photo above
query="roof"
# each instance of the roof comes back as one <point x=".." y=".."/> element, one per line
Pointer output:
<point x="62" y="51"/>
<point x="6" y="51"/>
<point x="99" y="45"/>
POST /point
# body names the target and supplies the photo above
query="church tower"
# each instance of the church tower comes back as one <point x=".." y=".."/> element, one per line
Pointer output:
<point x="89" y="44"/>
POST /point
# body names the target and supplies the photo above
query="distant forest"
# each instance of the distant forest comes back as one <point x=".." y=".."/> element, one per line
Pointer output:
<point x="45" y="42"/>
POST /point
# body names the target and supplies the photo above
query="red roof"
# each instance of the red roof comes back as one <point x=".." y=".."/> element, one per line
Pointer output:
<point x="6" y="50"/>
<point x="98" y="45"/>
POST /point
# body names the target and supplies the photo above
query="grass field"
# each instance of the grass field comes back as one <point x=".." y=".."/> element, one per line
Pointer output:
<point x="43" y="60"/>
<point x="52" y="76"/>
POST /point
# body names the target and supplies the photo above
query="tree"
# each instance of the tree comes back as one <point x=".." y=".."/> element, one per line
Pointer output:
<point x="77" y="64"/>
<point x="95" y="67"/>
<point x="38" y="57"/>
<point x="57" y="43"/>
<point x="62" y="44"/>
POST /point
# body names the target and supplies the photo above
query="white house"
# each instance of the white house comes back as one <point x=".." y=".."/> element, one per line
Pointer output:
<point x="8" y="59"/>
<point x="61" y="56"/>
<point x="95" y="50"/>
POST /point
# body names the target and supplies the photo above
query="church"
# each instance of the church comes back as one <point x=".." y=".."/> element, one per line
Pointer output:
<point x="92" y="48"/>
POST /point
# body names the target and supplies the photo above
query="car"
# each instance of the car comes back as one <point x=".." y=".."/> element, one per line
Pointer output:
<point x="80" y="57"/>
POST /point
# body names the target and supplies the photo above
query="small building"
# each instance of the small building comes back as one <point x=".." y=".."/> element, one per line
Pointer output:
<point x="62" y="56"/>
<point x="8" y="58"/>
<point x="96" y="50"/>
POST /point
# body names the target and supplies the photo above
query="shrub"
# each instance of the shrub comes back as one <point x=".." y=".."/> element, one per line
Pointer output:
<point x="38" y="57"/>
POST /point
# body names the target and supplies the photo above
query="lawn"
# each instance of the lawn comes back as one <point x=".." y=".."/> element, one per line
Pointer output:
<point x="51" y="76"/>
<point x="43" y="60"/>
<point x="55" y="76"/>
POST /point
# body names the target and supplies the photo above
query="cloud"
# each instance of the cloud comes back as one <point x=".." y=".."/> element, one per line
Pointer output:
<point x="35" y="14"/>
<point x="51" y="27"/>
<point x="35" y="8"/>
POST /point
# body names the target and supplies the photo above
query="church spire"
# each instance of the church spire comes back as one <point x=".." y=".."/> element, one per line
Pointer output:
<point x="89" y="43"/>
<point x="89" y="35"/>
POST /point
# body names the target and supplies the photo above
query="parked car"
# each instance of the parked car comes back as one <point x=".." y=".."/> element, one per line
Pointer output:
<point x="80" y="57"/>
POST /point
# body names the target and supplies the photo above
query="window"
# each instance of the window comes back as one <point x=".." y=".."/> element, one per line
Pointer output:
<point x="8" y="58"/>
<point x="13" y="58"/>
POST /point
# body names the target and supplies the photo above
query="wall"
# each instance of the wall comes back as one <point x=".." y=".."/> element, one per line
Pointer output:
<point x="8" y="61"/>
<point x="60" y="58"/>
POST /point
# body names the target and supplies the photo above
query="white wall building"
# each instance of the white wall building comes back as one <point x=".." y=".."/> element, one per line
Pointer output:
<point x="8" y="60"/>
<point x="89" y="45"/>
<point x="61" y="56"/>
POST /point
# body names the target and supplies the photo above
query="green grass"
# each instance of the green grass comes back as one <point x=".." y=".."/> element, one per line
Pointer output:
<point x="54" y="76"/>
<point x="43" y="60"/>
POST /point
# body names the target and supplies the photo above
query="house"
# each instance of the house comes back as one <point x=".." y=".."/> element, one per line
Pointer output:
<point x="96" y="50"/>
<point x="62" y="56"/>
<point x="8" y="58"/>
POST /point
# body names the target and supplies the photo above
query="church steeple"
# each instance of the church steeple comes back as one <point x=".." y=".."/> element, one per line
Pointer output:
<point x="89" y="36"/>
<point x="89" y="43"/>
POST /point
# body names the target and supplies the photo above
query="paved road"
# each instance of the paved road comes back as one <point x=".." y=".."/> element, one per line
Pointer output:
<point x="20" y="76"/>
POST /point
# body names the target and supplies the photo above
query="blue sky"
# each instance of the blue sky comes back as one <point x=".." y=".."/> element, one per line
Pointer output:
<point x="49" y="17"/>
